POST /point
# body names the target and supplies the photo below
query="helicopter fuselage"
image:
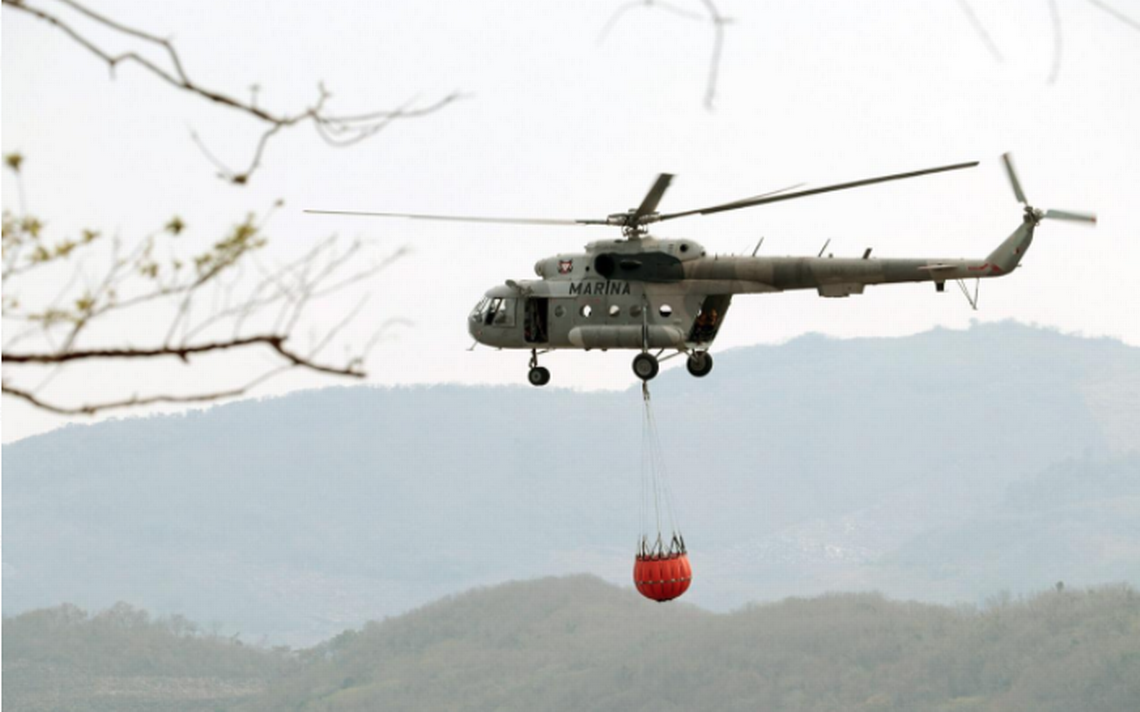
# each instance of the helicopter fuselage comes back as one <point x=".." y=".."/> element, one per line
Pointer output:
<point x="670" y="294"/>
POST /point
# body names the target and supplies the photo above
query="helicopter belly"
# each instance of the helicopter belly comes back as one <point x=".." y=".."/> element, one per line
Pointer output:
<point x="626" y="337"/>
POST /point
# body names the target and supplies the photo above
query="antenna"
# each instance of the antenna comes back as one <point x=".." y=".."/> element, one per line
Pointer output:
<point x="758" y="247"/>
<point x="824" y="247"/>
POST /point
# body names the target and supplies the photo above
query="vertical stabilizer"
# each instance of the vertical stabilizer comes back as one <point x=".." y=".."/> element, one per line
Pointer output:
<point x="1009" y="253"/>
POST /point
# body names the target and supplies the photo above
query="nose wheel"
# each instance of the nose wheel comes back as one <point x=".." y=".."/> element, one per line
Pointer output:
<point x="700" y="363"/>
<point x="645" y="366"/>
<point x="537" y="376"/>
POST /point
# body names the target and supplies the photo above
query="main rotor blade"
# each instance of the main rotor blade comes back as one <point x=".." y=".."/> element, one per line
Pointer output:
<point x="653" y="197"/>
<point x="765" y="195"/>
<point x="1007" y="161"/>
<point x="762" y="200"/>
<point x="1066" y="215"/>
<point x="461" y="218"/>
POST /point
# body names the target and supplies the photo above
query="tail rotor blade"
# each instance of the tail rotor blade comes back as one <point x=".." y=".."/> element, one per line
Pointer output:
<point x="1067" y="215"/>
<point x="1007" y="160"/>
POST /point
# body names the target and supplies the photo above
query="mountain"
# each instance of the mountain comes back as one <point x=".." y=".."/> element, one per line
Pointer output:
<point x="945" y="466"/>
<point x="580" y="643"/>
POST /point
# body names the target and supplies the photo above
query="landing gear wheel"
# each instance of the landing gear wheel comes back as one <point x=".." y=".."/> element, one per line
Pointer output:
<point x="700" y="363"/>
<point x="645" y="366"/>
<point x="538" y="376"/>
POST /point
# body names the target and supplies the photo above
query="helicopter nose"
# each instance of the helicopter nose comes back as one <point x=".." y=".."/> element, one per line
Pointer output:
<point x="475" y="326"/>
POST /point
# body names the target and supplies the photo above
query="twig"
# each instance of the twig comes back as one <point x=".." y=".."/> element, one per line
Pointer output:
<point x="713" y="15"/>
<point x="1116" y="13"/>
<point x="274" y="341"/>
<point x="1055" y="14"/>
<point x="135" y="401"/>
<point x="979" y="28"/>
<point x="718" y="45"/>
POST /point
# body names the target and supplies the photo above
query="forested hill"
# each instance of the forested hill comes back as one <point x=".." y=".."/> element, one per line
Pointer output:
<point x="578" y="643"/>
<point x="944" y="466"/>
<point x="64" y="659"/>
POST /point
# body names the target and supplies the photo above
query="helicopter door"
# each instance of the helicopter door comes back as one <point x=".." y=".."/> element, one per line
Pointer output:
<point x="535" y="326"/>
<point x="710" y="317"/>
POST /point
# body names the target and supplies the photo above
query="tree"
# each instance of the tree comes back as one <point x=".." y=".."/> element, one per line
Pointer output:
<point x="202" y="297"/>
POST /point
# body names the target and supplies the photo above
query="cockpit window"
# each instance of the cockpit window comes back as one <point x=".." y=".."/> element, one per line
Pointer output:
<point x="497" y="311"/>
<point x="505" y="312"/>
<point x="490" y="309"/>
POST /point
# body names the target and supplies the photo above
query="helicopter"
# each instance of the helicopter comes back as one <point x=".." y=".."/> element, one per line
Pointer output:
<point x="653" y="295"/>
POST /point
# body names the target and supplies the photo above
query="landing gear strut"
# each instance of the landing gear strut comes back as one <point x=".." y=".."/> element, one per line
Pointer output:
<point x="537" y="376"/>
<point x="645" y="366"/>
<point x="700" y="363"/>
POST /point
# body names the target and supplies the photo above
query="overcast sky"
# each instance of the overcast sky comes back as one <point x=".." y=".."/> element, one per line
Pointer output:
<point x="560" y="124"/>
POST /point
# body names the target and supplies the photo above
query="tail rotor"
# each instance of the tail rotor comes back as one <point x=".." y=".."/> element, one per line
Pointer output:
<point x="1036" y="215"/>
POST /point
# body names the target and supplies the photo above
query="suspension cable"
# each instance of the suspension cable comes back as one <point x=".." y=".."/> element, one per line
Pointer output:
<point x="655" y="488"/>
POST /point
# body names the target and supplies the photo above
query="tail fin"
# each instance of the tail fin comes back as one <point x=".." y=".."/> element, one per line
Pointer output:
<point x="1009" y="253"/>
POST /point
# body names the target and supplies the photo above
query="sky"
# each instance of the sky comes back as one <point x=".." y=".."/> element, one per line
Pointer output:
<point x="559" y="121"/>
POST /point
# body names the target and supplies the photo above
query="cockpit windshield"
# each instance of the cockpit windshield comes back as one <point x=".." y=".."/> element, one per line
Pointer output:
<point x="496" y="311"/>
<point x="480" y="309"/>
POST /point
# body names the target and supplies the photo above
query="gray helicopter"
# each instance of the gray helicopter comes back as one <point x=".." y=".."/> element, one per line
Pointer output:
<point x="656" y="295"/>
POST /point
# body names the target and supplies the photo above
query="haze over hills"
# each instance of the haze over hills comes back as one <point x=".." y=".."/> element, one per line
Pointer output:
<point x="944" y="466"/>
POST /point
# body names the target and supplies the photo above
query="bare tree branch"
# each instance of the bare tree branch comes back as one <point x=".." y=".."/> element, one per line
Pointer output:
<point x="712" y="15"/>
<point x="1058" y="38"/>
<point x="1116" y="13"/>
<point x="1055" y="15"/>
<point x="336" y="130"/>
<point x="626" y="7"/>
<point x="379" y="334"/>
<point x="979" y="28"/>
<point x="274" y="341"/>
<point x="719" y="22"/>
<point x="136" y="401"/>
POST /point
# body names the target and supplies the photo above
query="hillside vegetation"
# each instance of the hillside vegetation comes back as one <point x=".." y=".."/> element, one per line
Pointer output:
<point x="121" y="659"/>
<point x="578" y="643"/>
